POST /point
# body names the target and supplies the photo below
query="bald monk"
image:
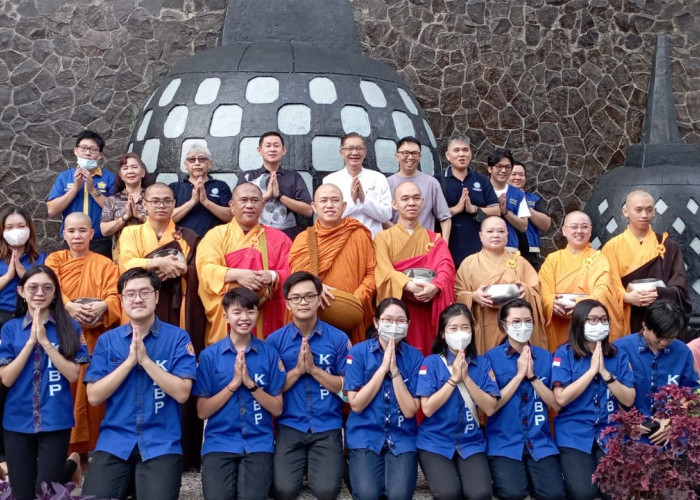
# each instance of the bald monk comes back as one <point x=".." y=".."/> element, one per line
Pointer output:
<point x="246" y="253"/>
<point x="340" y="252"/>
<point x="640" y="253"/>
<point x="83" y="274"/>
<point x="409" y="245"/>
<point x="493" y="265"/>
<point x="168" y="250"/>
<point x="577" y="269"/>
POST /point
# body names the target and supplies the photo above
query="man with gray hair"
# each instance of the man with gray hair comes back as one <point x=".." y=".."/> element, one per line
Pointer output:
<point x="201" y="202"/>
<point x="470" y="196"/>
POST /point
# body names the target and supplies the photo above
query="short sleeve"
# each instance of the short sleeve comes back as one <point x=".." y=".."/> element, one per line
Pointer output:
<point x="277" y="373"/>
<point x="416" y="363"/>
<point x="174" y="188"/>
<point x="108" y="211"/>
<point x="561" y="369"/>
<point x="184" y="362"/>
<point x="225" y="194"/>
<point x="488" y="382"/>
<point x="624" y="367"/>
<point x="353" y="370"/>
<point x="202" y="386"/>
<point x="82" y="356"/>
<point x="689" y="377"/>
<point x="301" y="192"/>
<point x="99" y="363"/>
<point x="427" y="384"/>
<point x="442" y="210"/>
<point x="341" y="358"/>
<point x="490" y="197"/>
<point x="541" y="206"/>
<point x="523" y="209"/>
<point x="111" y="184"/>
<point x="59" y="186"/>
<point x="7" y="351"/>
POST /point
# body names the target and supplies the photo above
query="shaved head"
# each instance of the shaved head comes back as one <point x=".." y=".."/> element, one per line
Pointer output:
<point x="639" y="209"/>
<point x="159" y="185"/>
<point x="404" y="187"/>
<point x="580" y="217"/>
<point x="639" y="195"/>
<point x="78" y="231"/>
<point x="246" y="186"/>
<point x="493" y="221"/>
<point x="408" y="202"/>
<point x="78" y="218"/>
<point x="328" y="190"/>
<point x="577" y="229"/>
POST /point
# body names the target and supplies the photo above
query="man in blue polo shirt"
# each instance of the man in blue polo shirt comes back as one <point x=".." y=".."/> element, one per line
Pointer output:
<point x="284" y="191"/>
<point x="658" y="358"/>
<point x="470" y="196"/>
<point x="239" y="390"/>
<point x="201" y="202"/>
<point x="85" y="188"/>
<point x="511" y="200"/>
<point x="143" y="371"/>
<point x="309" y="431"/>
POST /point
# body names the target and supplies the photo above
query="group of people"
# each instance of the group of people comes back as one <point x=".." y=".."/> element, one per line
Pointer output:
<point x="174" y="305"/>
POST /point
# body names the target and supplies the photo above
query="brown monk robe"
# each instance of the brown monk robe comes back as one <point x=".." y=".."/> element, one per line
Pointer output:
<point x="641" y="253"/>
<point x="170" y="251"/>
<point x="340" y="252"/>
<point x="86" y="275"/>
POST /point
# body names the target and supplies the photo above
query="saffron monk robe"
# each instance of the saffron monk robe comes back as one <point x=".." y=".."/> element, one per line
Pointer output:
<point x="169" y="250"/>
<point x="409" y="245"/>
<point x="576" y="269"/>
<point x="640" y="253"/>
<point x="243" y="253"/>
<point x="340" y="252"/>
<point x="84" y="274"/>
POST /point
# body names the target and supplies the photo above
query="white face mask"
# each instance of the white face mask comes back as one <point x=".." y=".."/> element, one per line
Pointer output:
<point x="87" y="164"/>
<point x="16" y="237"/>
<point x="389" y="331"/>
<point x="521" y="333"/>
<point x="459" y="340"/>
<point x="595" y="333"/>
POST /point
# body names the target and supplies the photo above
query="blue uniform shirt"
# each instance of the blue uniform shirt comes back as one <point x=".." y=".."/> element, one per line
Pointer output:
<point x="40" y="399"/>
<point x="242" y="425"/>
<point x="673" y="365"/>
<point x="140" y="412"/>
<point x="104" y="182"/>
<point x="199" y="219"/>
<point x="522" y="422"/>
<point x="581" y="421"/>
<point x="8" y="295"/>
<point x="308" y="406"/>
<point x="453" y="427"/>
<point x="464" y="238"/>
<point x="514" y="198"/>
<point x="532" y="233"/>
<point x="381" y="422"/>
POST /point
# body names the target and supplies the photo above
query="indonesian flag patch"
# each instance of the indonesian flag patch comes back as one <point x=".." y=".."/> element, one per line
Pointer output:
<point x="349" y="361"/>
<point x="423" y="370"/>
<point x="556" y="362"/>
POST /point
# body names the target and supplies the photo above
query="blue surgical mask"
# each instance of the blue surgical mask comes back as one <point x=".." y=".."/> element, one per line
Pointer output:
<point x="87" y="164"/>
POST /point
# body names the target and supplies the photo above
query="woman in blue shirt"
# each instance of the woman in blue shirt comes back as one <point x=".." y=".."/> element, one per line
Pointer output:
<point x="380" y="381"/>
<point x="521" y="451"/>
<point x="40" y="354"/>
<point x="453" y="382"/>
<point x="590" y="378"/>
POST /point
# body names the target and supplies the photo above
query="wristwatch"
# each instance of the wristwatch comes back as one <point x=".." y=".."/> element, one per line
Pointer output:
<point x="610" y="380"/>
<point x="252" y="389"/>
<point x="532" y="379"/>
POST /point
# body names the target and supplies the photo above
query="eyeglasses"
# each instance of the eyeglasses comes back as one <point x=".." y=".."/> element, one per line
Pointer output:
<point x="582" y="227"/>
<point x="194" y="159"/>
<point x="161" y="203"/>
<point x="308" y="298"/>
<point x="500" y="166"/>
<point x="519" y="323"/>
<point x="34" y="288"/>
<point x="85" y="149"/>
<point x="353" y="149"/>
<point x="409" y="154"/>
<point x="401" y="321"/>
<point x="594" y="320"/>
<point x="131" y="295"/>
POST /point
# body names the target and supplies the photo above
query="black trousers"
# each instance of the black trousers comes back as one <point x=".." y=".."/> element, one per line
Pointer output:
<point x="35" y="458"/>
<point x="230" y="476"/>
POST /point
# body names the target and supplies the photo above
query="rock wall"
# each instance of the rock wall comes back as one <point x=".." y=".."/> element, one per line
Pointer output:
<point x="562" y="83"/>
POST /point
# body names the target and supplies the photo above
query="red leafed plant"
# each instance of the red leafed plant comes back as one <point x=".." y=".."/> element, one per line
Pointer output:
<point x="636" y="469"/>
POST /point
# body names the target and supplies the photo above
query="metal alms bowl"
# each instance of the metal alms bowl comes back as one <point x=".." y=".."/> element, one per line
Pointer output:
<point x="421" y="274"/>
<point x="645" y="284"/>
<point x="572" y="298"/>
<point x="502" y="292"/>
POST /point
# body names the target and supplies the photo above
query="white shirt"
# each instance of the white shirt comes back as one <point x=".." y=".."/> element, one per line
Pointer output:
<point x="376" y="208"/>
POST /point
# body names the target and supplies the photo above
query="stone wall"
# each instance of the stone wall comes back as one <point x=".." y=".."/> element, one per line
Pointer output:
<point x="562" y="83"/>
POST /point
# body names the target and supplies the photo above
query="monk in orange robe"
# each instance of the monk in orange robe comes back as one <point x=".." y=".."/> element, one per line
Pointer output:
<point x="408" y="245"/>
<point x="92" y="277"/>
<point x="494" y="265"/>
<point x="577" y="269"/>
<point x="246" y="253"/>
<point x="340" y="252"/>
<point x="641" y="253"/>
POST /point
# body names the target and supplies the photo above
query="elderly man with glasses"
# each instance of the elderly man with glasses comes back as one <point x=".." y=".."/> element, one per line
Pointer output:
<point x="572" y="274"/>
<point x="366" y="191"/>
<point x="201" y="201"/>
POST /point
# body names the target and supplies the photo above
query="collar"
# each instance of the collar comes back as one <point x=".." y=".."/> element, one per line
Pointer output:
<point x="186" y="178"/>
<point x="510" y="351"/>
<point x="154" y="330"/>
<point x="280" y="170"/>
<point x="316" y="331"/>
<point x="374" y="345"/>
<point x="252" y="345"/>
<point x="451" y="358"/>
<point x="27" y="320"/>
<point x="448" y="172"/>
<point x="643" y="346"/>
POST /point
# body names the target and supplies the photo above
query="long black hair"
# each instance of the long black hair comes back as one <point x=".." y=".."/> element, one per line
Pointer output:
<point x="68" y="341"/>
<point x="451" y="311"/>
<point x="577" y="341"/>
